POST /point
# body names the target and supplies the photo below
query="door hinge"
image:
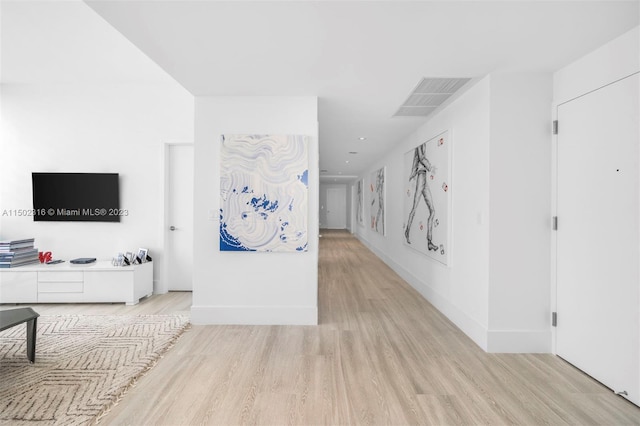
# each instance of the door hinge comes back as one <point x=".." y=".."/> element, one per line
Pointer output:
<point x="554" y="223"/>
<point x="555" y="127"/>
<point x="554" y="319"/>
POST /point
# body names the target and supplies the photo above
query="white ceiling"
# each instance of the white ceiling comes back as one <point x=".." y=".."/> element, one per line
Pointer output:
<point x="361" y="58"/>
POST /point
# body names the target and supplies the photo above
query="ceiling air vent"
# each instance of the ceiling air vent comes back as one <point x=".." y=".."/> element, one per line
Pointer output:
<point x="428" y="95"/>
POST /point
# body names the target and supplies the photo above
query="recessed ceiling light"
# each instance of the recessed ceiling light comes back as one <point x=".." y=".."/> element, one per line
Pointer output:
<point x="362" y="138"/>
<point x="347" y="161"/>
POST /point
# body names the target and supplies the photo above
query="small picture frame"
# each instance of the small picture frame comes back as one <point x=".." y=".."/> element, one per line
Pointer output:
<point x="142" y="254"/>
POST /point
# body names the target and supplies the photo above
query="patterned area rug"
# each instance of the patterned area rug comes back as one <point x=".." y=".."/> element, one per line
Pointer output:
<point x="84" y="364"/>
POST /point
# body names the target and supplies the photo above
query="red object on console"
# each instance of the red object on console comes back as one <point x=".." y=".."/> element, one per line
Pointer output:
<point x="45" y="256"/>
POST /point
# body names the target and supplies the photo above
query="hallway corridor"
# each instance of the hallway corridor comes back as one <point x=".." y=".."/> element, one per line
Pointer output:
<point x="403" y="362"/>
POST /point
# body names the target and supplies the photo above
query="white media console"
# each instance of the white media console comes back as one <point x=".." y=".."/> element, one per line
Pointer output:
<point x="97" y="282"/>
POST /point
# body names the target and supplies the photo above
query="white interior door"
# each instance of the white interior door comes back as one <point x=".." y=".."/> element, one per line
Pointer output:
<point x="598" y="235"/>
<point x="180" y="217"/>
<point x="337" y="208"/>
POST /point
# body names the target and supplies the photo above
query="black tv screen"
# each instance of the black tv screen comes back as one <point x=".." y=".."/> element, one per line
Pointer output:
<point x="82" y="197"/>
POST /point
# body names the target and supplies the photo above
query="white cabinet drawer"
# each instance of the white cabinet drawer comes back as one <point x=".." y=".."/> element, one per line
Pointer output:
<point x="60" y="298"/>
<point x="60" y="287"/>
<point x="60" y="276"/>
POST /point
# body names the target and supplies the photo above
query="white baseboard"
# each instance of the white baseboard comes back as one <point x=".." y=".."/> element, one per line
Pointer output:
<point x="255" y="315"/>
<point x="519" y="341"/>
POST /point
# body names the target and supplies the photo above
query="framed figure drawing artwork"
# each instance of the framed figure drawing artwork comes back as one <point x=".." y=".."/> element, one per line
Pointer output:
<point x="377" y="200"/>
<point x="264" y="193"/>
<point x="360" y="202"/>
<point x="427" y="198"/>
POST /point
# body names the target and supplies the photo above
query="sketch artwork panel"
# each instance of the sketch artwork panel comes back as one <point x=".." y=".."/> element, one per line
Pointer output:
<point x="264" y="193"/>
<point x="377" y="201"/>
<point x="427" y="197"/>
<point x="360" y="207"/>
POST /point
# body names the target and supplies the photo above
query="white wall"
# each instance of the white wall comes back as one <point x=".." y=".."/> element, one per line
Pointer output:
<point x="520" y="219"/>
<point x="118" y="128"/>
<point x="496" y="287"/>
<point x="615" y="60"/>
<point x="241" y="287"/>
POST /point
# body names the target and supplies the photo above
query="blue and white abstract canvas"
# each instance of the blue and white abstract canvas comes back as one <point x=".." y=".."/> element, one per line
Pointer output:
<point x="264" y="193"/>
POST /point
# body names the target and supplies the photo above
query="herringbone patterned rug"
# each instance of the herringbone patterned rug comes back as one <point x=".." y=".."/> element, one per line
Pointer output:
<point x="83" y="365"/>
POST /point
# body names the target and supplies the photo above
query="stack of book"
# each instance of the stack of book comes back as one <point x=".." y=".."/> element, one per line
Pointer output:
<point x="17" y="253"/>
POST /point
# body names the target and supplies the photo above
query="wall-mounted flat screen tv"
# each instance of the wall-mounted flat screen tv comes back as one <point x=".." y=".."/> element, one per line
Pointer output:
<point x="77" y="197"/>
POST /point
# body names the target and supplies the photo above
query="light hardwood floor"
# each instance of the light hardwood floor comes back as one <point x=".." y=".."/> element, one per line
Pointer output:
<point x="380" y="355"/>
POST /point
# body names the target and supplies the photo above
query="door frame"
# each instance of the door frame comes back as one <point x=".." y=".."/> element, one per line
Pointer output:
<point x="163" y="283"/>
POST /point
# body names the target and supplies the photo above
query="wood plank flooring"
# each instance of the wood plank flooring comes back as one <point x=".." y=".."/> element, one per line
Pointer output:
<point x="381" y="355"/>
